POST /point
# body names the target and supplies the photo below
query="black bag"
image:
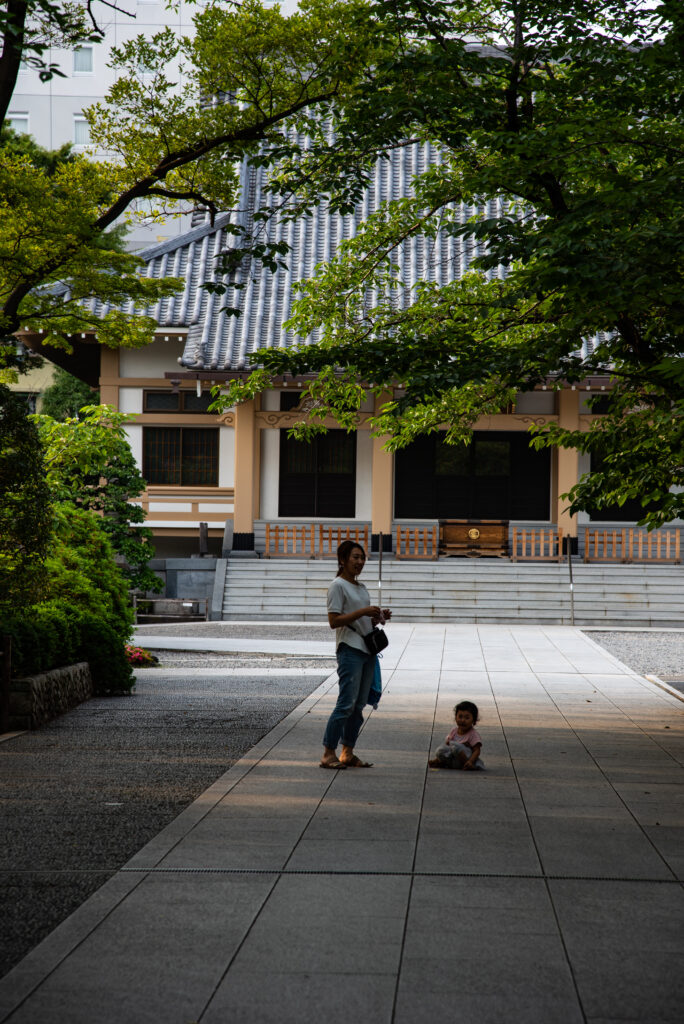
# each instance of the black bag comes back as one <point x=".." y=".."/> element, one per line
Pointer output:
<point x="376" y="640"/>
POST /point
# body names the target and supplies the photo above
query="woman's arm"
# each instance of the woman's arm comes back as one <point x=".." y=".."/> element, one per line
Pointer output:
<point x="338" y="619"/>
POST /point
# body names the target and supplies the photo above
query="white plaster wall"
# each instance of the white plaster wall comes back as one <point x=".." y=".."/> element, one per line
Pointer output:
<point x="154" y="360"/>
<point x="270" y="401"/>
<point x="227" y="457"/>
<point x="583" y="466"/>
<point x="364" y="470"/>
<point x="130" y="400"/>
<point x="270" y="471"/>
<point x="134" y="434"/>
<point x="536" y="403"/>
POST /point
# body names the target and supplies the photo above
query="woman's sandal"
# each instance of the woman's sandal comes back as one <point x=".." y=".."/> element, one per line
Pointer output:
<point x="332" y="764"/>
<point x="356" y="762"/>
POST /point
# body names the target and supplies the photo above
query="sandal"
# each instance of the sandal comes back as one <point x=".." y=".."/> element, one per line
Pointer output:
<point x="356" y="762"/>
<point x="332" y="764"/>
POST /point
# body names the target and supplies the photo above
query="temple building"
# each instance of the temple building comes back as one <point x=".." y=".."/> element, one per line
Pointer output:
<point x="258" y="490"/>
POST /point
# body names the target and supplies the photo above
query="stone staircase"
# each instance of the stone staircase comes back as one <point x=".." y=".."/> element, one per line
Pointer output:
<point x="464" y="590"/>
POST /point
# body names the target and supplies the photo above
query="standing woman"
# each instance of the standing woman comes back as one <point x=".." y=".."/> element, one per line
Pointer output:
<point x="352" y="615"/>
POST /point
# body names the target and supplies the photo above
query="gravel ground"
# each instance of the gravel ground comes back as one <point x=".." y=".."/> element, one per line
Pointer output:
<point x="650" y="653"/>
<point x="82" y="795"/>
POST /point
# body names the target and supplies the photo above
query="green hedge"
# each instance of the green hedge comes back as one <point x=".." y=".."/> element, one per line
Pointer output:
<point x="48" y="637"/>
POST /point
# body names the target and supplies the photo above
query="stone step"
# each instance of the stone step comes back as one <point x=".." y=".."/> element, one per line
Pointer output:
<point x="465" y="591"/>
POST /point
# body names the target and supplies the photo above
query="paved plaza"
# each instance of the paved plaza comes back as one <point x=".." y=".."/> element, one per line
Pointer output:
<point x="546" y="887"/>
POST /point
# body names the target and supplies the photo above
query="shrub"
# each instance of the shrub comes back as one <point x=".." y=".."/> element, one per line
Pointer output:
<point x="104" y="651"/>
<point x="25" y="513"/>
<point x="82" y="572"/>
<point x="53" y="637"/>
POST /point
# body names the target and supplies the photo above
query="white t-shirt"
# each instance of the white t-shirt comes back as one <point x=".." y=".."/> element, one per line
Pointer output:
<point x="344" y="597"/>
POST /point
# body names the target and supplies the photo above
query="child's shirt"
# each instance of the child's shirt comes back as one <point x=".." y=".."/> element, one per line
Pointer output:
<point x="470" y="738"/>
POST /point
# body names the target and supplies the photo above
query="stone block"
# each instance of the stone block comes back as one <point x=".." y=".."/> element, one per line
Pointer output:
<point x="36" y="700"/>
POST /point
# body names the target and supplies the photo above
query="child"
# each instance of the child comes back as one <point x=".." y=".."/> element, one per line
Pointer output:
<point x="462" y="747"/>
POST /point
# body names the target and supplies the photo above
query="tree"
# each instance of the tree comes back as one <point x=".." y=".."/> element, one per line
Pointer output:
<point x="159" y="142"/>
<point x="25" y="508"/>
<point x="165" y="143"/>
<point x="569" y="112"/>
<point x="66" y="396"/>
<point x="30" y="28"/>
<point x="90" y="467"/>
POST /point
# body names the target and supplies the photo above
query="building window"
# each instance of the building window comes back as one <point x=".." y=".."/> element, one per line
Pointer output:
<point x="496" y="476"/>
<point x="179" y="401"/>
<point x="318" y="478"/>
<point x="81" y="131"/>
<point x="184" y="456"/>
<point x="19" y="123"/>
<point x="83" y="60"/>
<point x="629" y="512"/>
<point x="30" y="398"/>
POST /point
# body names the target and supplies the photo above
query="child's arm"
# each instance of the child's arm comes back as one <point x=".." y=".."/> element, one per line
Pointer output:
<point x="470" y="763"/>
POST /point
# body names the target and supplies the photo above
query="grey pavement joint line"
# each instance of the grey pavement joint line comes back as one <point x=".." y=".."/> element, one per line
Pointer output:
<point x="542" y="875"/>
<point x="279" y="874"/>
<point x="510" y="754"/>
<point x="238" y="771"/>
<point x="236" y="951"/>
<point x="412" y="874"/>
<point x="579" y="739"/>
<point x="405" y="874"/>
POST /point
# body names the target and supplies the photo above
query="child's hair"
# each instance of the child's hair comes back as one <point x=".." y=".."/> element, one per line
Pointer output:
<point x="467" y="705"/>
<point x="344" y="551"/>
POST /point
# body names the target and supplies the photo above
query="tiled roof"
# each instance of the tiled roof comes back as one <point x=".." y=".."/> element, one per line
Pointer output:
<point x="218" y="341"/>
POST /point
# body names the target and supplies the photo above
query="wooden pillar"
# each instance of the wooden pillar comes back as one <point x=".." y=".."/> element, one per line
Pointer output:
<point x="245" y="463"/>
<point x="382" y="482"/>
<point x="109" y="376"/>
<point x="568" y="460"/>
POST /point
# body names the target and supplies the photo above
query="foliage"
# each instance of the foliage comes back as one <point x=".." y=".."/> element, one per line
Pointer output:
<point x="82" y="572"/>
<point x="566" y="113"/>
<point x="66" y="396"/>
<point x="25" y="510"/>
<point x="90" y="465"/>
<point x="19" y="144"/>
<point x="54" y="635"/>
<point x="31" y="29"/>
<point x="164" y="144"/>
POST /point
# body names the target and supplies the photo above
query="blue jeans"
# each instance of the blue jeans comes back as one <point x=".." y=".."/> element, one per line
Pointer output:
<point x="355" y="672"/>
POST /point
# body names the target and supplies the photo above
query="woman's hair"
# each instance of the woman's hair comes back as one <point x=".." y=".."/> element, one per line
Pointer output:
<point x="344" y="551"/>
<point x="467" y="705"/>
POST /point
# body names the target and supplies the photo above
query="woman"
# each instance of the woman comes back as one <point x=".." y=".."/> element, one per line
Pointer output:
<point x="352" y="615"/>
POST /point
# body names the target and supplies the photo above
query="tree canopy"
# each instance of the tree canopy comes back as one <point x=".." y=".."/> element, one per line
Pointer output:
<point x="160" y="140"/>
<point x="569" y="115"/>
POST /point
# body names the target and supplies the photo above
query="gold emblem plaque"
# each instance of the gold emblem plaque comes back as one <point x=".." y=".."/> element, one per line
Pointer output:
<point x="474" y="533"/>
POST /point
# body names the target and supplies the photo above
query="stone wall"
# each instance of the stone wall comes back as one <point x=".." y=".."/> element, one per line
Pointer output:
<point x="35" y="700"/>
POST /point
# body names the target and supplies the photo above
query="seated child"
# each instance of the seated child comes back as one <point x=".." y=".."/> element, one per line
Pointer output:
<point x="462" y="747"/>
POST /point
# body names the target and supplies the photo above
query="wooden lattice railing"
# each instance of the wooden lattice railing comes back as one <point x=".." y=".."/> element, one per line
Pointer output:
<point x="290" y="540"/>
<point x="536" y="543"/>
<point x="631" y="544"/>
<point x="417" y="542"/>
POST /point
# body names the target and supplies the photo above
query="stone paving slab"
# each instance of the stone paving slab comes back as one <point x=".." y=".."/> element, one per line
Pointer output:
<point x="305" y="648"/>
<point x="549" y="883"/>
